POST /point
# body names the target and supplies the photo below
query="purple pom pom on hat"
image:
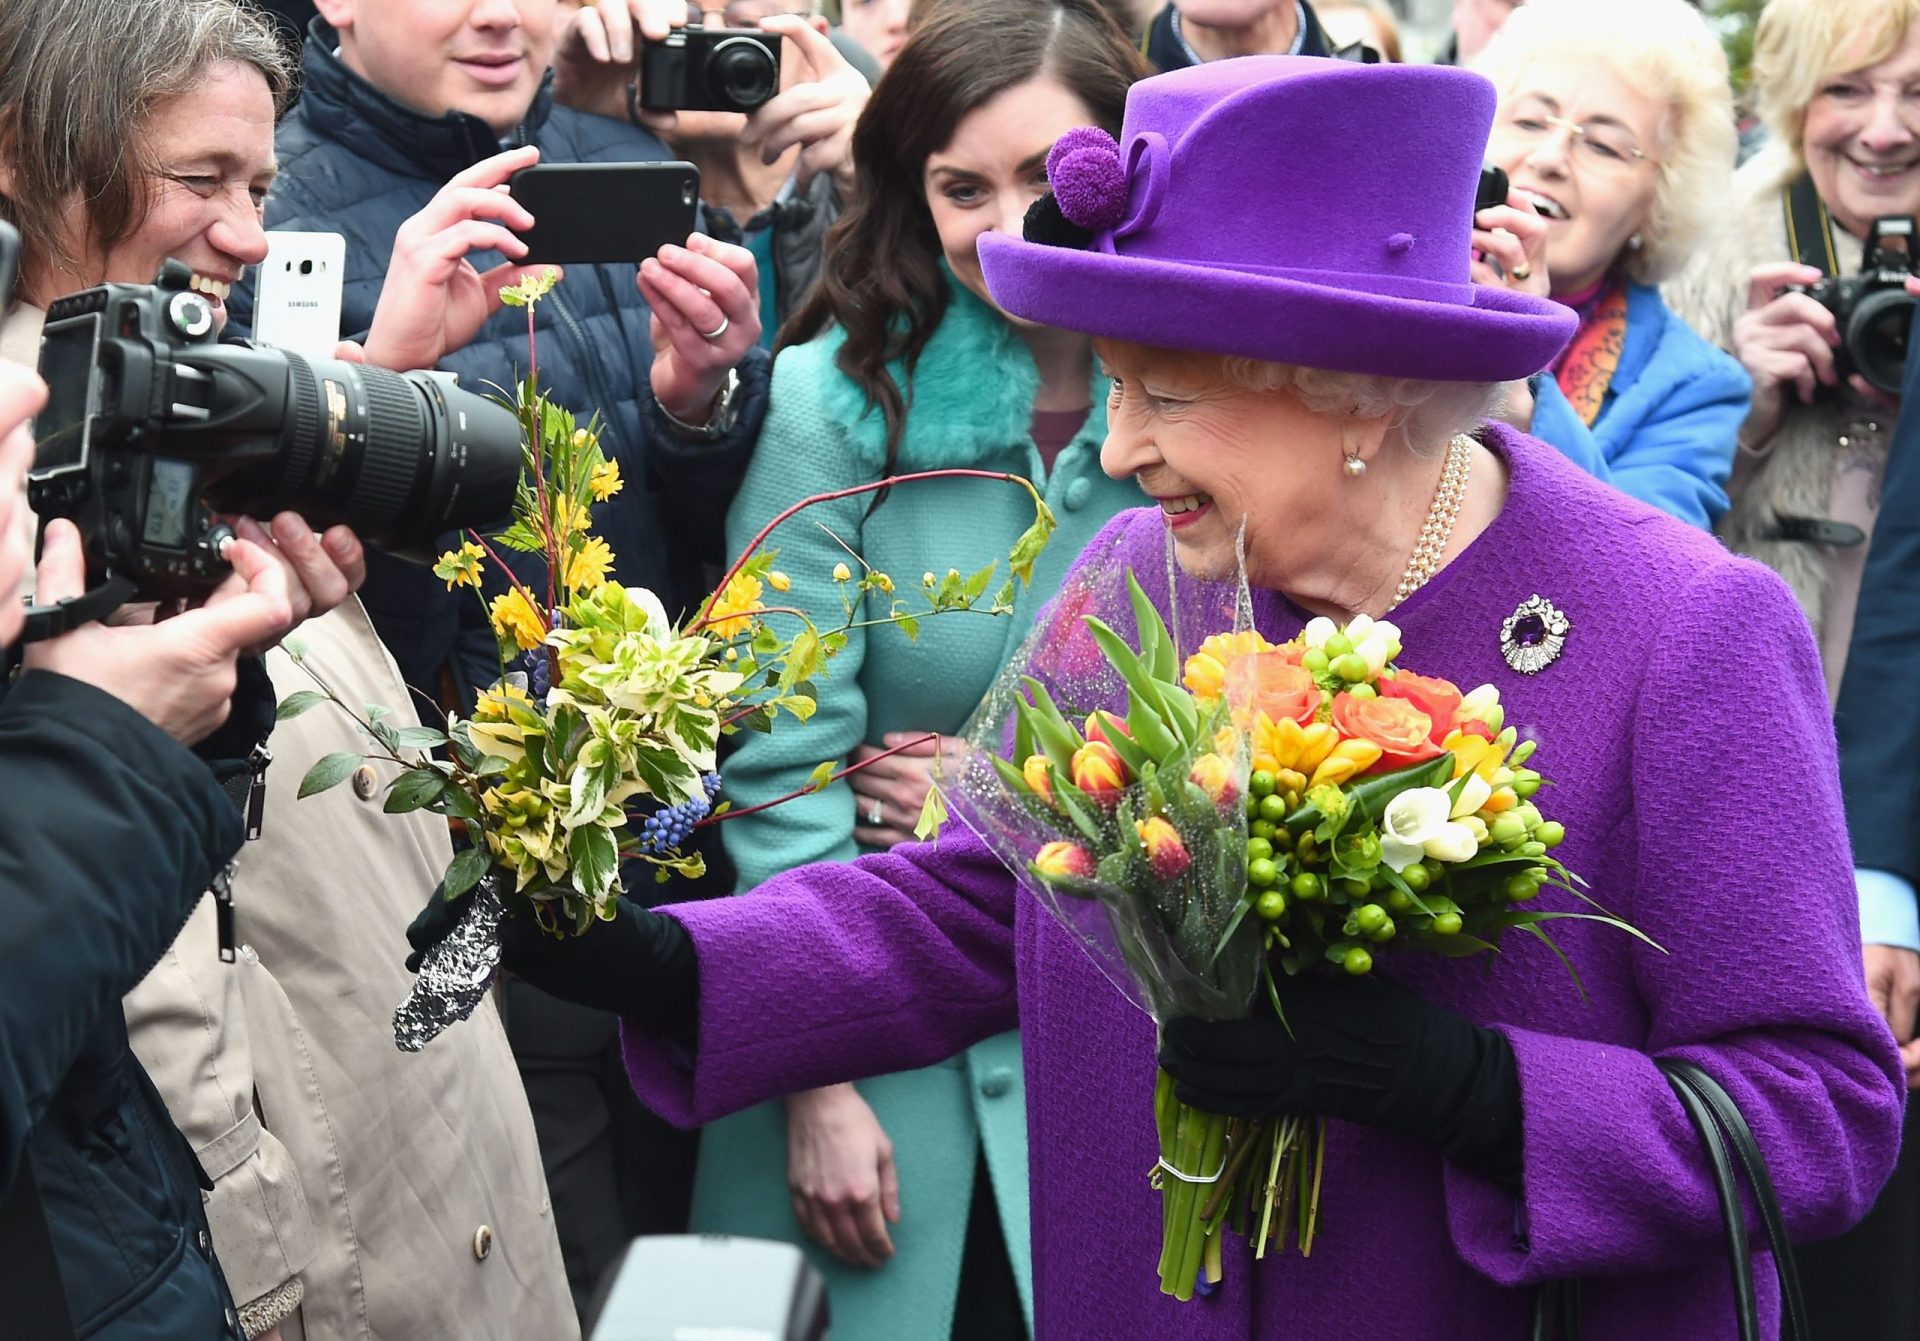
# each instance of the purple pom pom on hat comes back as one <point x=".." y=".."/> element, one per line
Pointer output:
<point x="1090" y="186"/>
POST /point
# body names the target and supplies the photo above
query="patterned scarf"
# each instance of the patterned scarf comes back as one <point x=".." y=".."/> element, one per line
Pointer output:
<point x="1586" y="369"/>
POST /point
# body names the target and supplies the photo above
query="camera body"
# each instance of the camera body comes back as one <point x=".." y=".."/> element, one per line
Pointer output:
<point x="709" y="70"/>
<point x="1873" y="308"/>
<point x="152" y="429"/>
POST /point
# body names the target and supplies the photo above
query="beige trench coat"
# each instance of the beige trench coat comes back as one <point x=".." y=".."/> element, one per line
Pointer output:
<point x="424" y="1212"/>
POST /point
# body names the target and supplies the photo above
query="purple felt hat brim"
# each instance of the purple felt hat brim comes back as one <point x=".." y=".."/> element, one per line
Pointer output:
<point x="1501" y="336"/>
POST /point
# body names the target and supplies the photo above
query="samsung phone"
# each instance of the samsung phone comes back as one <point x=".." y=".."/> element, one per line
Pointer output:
<point x="593" y="212"/>
<point x="297" y="297"/>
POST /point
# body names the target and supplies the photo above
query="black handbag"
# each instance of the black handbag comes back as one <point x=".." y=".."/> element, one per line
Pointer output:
<point x="1556" y="1314"/>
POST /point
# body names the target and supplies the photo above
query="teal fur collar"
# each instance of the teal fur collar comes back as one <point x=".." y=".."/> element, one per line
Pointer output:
<point x="970" y="398"/>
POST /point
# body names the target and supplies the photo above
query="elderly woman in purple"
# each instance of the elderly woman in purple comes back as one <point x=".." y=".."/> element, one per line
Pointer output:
<point x="1297" y="350"/>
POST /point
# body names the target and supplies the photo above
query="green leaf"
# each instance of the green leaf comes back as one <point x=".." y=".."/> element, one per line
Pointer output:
<point x="413" y="789"/>
<point x="821" y="775"/>
<point x="933" y="813"/>
<point x="596" y="861"/>
<point x="1156" y="644"/>
<point x="909" y="626"/>
<point x="459" y="801"/>
<point x="976" y="586"/>
<point x="1027" y="548"/>
<point x="330" y="771"/>
<point x="802" y="660"/>
<point x="464" y="871"/>
<point x="800" y="705"/>
<point x="418" y="738"/>
<point x="298" y="702"/>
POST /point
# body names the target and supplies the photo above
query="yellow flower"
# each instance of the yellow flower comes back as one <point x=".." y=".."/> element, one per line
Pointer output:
<point x="1206" y="670"/>
<point x="587" y="568"/>
<point x="514" y="617"/>
<point x="568" y="518"/>
<point x="495" y="702"/>
<point x="734" y="607"/>
<point x="1287" y="744"/>
<point x="1348" y="759"/>
<point x="880" y="580"/>
<point x="605" y="481"/>
<point x="460" y="567"/>
<point x="842" y="573"/>
<point x="779" y="581"/>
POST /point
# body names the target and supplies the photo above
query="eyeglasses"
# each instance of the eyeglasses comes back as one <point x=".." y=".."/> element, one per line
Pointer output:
<point x="741" y="13"/>
<point x="1605" y="148"/>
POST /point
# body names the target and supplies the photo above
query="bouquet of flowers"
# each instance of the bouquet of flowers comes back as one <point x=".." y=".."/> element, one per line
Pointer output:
<point x="596" y="747"/>
<point x="1261" y="809"/>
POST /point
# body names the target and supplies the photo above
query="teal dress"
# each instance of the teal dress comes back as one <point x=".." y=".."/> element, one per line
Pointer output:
<point x="971" y="406"/>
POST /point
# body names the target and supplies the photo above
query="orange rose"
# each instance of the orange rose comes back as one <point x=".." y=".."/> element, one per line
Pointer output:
<point x="1403" y="732"/>
<point x="1437" y="698"/>
<point x="1274" y="683"/>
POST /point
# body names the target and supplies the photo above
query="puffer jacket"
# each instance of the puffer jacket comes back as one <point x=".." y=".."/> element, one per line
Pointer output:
<point x="120" y="831"/>
<point x="357" y="162"/>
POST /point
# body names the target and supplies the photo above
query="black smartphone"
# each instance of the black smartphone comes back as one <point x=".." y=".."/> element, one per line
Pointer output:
<point x="592" y="212"/>
<point x="9" y="263"/>
<point x="1493" y="188"/>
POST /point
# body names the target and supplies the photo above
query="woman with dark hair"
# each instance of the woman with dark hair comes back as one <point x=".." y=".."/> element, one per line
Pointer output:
<point x="901" y="361"/>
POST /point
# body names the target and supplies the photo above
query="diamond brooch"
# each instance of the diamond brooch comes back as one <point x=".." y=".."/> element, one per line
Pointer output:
<point x="1532" y="636"/>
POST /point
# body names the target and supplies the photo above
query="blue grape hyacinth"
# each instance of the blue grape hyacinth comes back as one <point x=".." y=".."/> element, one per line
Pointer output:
<point x="669" y="828"/>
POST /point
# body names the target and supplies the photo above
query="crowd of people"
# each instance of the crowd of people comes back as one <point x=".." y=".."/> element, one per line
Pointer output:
<point x="1260" y="361"/>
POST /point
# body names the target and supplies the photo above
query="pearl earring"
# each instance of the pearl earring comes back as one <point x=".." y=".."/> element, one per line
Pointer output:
<point x="1354" y="466"/>
<point x="1634" y="243"/>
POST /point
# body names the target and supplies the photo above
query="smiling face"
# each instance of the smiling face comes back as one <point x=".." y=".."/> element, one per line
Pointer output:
<point x="482" y="57"/>
<point x="995" y="167"/>
<point x="211" y="151"/>
<point x="1595" y="184"/>
<point x="1862" y="139"/>
<point x="1204" y="451"/>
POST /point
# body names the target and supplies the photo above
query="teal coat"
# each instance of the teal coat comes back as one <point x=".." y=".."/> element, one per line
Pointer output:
<point x="971" y="402"/>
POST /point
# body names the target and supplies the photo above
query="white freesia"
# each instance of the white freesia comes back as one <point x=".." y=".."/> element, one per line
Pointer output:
<point x="1482" y="705"/>
<point x="1318" y="630"/>
<point x="1417" y="824"/>
<point x="1474" y="792"/>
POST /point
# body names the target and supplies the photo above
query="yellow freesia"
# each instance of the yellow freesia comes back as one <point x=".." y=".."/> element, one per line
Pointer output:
<point x="734" y="608"/>
<point x="1206" y="670"/>
<point x="1473" y="753"/>
<point x="514" y="617"/>
<point x="1348" y="760"/>
<point x="587" y="568"/>
<point x="1287" y="744"/>
<point x="605" y="481"/>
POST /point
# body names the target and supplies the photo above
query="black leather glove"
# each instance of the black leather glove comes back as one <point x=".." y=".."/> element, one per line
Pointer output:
<point x="641" y="965"/>
<point x="1365" y="1050"/>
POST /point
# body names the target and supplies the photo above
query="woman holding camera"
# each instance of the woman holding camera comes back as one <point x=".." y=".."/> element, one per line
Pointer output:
<point x="1616" y="130"/>
<point x="916" y="1182"/>
<point x="1837" y="81"/>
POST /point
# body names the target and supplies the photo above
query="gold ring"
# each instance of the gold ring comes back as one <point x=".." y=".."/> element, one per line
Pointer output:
<point x="1521" y="271"/>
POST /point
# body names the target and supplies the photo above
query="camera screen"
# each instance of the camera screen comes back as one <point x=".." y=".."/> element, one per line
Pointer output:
<point x="66" y="364"/>
<point x="169" y="497"/>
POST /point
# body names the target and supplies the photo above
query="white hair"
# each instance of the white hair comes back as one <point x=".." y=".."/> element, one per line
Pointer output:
<point x="1421" y="415"/>
<point x="1664" y="49"/>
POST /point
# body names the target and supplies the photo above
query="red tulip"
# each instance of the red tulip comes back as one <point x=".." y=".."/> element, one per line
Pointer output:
<point x="1038" y="771"/>
<point x="1166" y="855"/>
<point x="1103" y="726"/>
<point x="1064" y="859"/>
<point x="1097" y="771"/>
<point x="1216" y="777"/>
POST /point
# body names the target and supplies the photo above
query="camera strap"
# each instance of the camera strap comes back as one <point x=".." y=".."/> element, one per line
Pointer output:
<point x="1809" y="226"/>
<point x="50" y="621"/>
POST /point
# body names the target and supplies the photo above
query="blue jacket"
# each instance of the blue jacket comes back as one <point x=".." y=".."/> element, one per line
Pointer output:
<point x="1666" y="429"/>
<point x="356" y="162"/>
<point x="122" y="834"/>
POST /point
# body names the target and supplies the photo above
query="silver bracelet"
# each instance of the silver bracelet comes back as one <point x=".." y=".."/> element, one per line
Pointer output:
<point x="719" y="423"/>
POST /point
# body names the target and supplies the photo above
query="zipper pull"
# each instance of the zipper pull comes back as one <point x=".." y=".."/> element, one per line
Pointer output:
<point x="257" y="788"/>
<point x="222" y="890"/>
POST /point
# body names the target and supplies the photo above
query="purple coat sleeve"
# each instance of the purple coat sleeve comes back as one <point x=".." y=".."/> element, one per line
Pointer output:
<point x="1743" y="874"/>
<point x="837" y="971"/>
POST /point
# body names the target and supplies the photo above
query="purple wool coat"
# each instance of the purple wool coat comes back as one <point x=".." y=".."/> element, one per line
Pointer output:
<point x="1685" y="727"/>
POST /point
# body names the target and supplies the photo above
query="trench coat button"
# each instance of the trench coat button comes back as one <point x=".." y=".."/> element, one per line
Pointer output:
<point x="1078" y="493"/>
<point x="995" y="1083"/>
<point x="482" y="1243"/>
<point x="205" y="1243"/>
<point x="233" y="1322"/>
<point x="365" y="782"/>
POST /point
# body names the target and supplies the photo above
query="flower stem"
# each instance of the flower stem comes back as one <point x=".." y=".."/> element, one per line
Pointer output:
<point x="848" y="771"/>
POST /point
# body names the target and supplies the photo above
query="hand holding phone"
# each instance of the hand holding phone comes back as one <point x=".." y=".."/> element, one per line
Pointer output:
<point x="297" y="293"/>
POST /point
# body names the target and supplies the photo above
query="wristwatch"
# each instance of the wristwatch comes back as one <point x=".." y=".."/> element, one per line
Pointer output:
<point x="726" y="410"/>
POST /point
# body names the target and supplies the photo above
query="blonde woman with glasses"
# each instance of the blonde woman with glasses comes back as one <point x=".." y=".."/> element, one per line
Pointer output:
<point x="1615" y="127"/>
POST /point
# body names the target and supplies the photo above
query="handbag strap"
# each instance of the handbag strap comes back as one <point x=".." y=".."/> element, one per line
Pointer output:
<point x="1795" y="1323"/>
<point x="1727" y="1137"/>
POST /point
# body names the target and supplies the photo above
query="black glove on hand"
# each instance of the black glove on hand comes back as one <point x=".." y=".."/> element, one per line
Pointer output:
<point x="641" y="965"/>
<point x="1365" y="1050"/>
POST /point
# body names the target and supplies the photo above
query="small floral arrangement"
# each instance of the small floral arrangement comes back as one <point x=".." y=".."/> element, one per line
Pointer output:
<point x="1285" y="809"/>
<point x="597" y="745"/>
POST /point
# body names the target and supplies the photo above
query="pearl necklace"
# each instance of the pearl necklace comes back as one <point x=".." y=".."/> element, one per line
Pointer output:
<point x="1434" y="534"/>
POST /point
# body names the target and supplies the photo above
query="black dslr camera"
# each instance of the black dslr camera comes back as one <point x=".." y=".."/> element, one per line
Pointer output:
<point x="709" y="70"/>
<point x="152" y="429"/>
<point x="1873" y="308"/>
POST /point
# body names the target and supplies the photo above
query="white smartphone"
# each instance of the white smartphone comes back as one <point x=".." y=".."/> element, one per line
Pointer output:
<point x="297" y="298"/>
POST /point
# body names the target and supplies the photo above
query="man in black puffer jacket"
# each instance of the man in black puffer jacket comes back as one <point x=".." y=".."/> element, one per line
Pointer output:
<point x="360" y="158"/>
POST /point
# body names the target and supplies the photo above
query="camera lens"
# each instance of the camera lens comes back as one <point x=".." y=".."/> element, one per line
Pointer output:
<point x="1877" y="337"/>
<point x="402" y="459"/>
<point x="743" y="72"/>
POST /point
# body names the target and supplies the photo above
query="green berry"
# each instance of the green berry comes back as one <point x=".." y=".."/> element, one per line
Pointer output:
<point x="1447" y="924"/>
<point x="1262" y="782"/>
<point x="1357" y="962"/>
<point x="1272" y="905"/>
<point x="1306" y="886"/>
<point x="1364" y="691"/>
<point x="1337" y="646"/>
<point x="1416" y="877"/>
<point x="1399" y="901"/>
<point x="1314" y="661"/>
<point x="1262" y="872"/>
<point x="1370" y="917"/>
<point x="1520" y="888"/>
<point x="1352" y="668"/>
<point x="1354" y="889"/>
<point x="1552" y="833"/>
<point x="1258" y="848"/>
<point x="1525" y="783"/>
<point x="1261" y="829"/>
<point x="1384" y="934"/>
<point x="1273" y="809"/>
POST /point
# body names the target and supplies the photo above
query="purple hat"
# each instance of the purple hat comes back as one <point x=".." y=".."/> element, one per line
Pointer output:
<point x="1293" y="209"/>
